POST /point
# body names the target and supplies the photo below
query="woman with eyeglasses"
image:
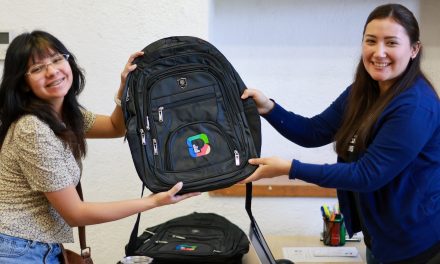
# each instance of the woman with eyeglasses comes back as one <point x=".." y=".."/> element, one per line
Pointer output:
<point x="42" y="140"/>
<point x="386" y="131"/>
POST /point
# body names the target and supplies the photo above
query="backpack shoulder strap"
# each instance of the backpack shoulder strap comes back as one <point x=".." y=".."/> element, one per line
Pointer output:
<point x="85" y="251"/>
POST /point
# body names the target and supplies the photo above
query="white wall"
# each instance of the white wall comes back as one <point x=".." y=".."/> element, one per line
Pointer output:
<point x="301" y="53"/>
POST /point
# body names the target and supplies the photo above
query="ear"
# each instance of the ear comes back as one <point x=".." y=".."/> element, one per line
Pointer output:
<point x="415" y="48"/>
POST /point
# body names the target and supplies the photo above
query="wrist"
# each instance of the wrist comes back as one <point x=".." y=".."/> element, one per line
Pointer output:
<point x="270" y="104"/>
<point x="117" y="100"/>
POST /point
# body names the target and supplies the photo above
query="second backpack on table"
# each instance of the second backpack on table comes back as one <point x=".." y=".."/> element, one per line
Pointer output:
<point x="195" y="238"/>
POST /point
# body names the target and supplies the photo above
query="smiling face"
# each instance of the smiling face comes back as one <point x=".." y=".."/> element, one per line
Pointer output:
<point x="386" y="51"/>
<point x="54" y="80"/>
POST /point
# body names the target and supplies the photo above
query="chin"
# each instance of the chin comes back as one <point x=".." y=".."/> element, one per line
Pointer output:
<point x="380" y="77"/>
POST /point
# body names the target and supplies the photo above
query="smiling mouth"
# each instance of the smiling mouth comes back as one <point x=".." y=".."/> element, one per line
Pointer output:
<point x="55" y="83"/>
<point x="380" y="64"/>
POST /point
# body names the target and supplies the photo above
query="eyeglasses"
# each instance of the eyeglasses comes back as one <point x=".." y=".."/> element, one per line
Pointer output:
<point x="38" y="71"/>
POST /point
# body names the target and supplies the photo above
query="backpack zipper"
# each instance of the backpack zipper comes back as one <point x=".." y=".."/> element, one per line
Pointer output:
<point x="202" y="68"/>
<point x="162" y="108"/>
<point x="237" y="157"/>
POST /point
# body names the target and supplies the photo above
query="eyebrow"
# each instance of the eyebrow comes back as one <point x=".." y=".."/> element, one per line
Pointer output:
<point x="39" y="59"/>
<point x="388" y="37"/>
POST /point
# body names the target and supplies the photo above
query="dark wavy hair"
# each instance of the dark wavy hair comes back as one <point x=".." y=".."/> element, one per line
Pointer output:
<point x="17" y="100"/>
<point x="365" y="103"/>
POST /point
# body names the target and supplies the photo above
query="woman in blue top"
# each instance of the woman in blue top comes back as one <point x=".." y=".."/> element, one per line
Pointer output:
<point x="386" y="129"/>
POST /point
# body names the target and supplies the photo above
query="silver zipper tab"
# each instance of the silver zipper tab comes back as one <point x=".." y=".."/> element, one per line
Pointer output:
<point x="127" y="98"/>
<point x="179" y="237"/>
<point x="155" y="147"/>
<point x="147" y="120"/>
<point x="237" y="158"/>
<point x="161" y="242"/>
<point x="160" y="110"/>
<point x="149" y="232"/>
<point x="142" y="136"/>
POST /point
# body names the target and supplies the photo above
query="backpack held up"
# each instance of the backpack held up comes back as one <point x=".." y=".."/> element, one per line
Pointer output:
<point x="195" y="238"/>
<point x="185" y="119"/>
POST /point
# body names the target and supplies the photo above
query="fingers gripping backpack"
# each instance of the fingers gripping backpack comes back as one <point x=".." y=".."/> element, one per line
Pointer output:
<point x="185" y="120"/>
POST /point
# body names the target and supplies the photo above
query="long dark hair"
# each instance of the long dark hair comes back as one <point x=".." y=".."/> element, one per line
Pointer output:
<point x="16" y="98"/>
<point x="365" y="103"/>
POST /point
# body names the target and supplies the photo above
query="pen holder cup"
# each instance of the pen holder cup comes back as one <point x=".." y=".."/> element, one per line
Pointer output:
<point x="334" y="232"/>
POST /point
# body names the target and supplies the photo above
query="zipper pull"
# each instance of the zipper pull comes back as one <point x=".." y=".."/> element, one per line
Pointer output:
<point x="237" y="158"/>
<point x="127" y="98"/>
<point x="142" y="136"/>
<point x="161" y="242"/>
<point x="160" y="109"/>
<point x="147" y="120"/>
<point x="155" y="147"/>
<point x="179" y="237"/>
<point x="149" y="232"/>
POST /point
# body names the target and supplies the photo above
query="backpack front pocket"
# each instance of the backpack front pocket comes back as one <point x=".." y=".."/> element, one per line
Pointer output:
<point x="198" y="145"/>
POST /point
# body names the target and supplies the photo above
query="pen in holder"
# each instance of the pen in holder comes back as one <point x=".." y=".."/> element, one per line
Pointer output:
<point x="334" y="231"/>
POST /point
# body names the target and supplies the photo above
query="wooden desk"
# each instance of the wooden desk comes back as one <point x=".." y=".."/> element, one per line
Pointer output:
<point x="276" y="243"/>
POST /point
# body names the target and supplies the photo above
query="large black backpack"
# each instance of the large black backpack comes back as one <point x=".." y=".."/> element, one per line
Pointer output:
<point x="185" y="119"/>
<point x="205" y="238"/>
<point x="186" y="122"/>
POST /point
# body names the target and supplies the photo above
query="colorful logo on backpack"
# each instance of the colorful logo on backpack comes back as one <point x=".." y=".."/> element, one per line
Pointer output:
<point x="198" y="145"/>
<point x="186" y="247"/>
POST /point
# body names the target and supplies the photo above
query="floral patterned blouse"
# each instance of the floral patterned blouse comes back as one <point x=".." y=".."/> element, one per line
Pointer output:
<point x="33" y="160"/>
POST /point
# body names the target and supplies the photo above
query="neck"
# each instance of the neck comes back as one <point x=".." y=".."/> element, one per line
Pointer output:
<point x="58" y="110"/>
<point x="384" y="86"/>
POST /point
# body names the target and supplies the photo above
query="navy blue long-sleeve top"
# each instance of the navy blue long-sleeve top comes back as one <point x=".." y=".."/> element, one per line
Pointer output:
<point x="397" y="177"/>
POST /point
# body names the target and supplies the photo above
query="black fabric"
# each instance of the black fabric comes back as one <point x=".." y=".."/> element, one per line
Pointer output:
<point x="353" y="156"/>
<point x="195" y="238"/>
<point x="185" y="119"/>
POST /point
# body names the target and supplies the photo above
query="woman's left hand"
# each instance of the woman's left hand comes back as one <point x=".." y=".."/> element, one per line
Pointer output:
<point x="268" y="168"/>
<point x="129" y="67"/>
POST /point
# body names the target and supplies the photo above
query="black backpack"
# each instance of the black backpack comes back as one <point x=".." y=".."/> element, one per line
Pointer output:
<point x="186" y="122"/>
<point x="185" y="119"/>
<point x="195" y="238"/>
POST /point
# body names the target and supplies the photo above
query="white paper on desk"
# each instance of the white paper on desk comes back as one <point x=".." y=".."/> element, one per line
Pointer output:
<point x="321" y="254"/>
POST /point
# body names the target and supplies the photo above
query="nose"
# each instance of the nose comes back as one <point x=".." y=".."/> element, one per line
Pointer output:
<point x="51" y="69"/>
<point x="380" y="51"/>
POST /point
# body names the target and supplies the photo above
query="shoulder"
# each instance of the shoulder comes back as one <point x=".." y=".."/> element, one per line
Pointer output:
<point x="420" y="95"/>
<point x="418" y="104"/>
<point x="30" y="132"/>
<point x="30" y="124"/>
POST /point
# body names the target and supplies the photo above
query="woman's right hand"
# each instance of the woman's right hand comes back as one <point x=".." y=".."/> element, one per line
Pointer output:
<point x="264" y="104"/>
<point x="170" y="196"/>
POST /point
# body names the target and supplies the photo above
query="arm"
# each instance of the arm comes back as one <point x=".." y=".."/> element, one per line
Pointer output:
<point x="79" y="213"/>
<point x="307" y="132"/>
<point x="113" y="125"/>
<point x="403" y="132"/>
<point x="50" y="168"/>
